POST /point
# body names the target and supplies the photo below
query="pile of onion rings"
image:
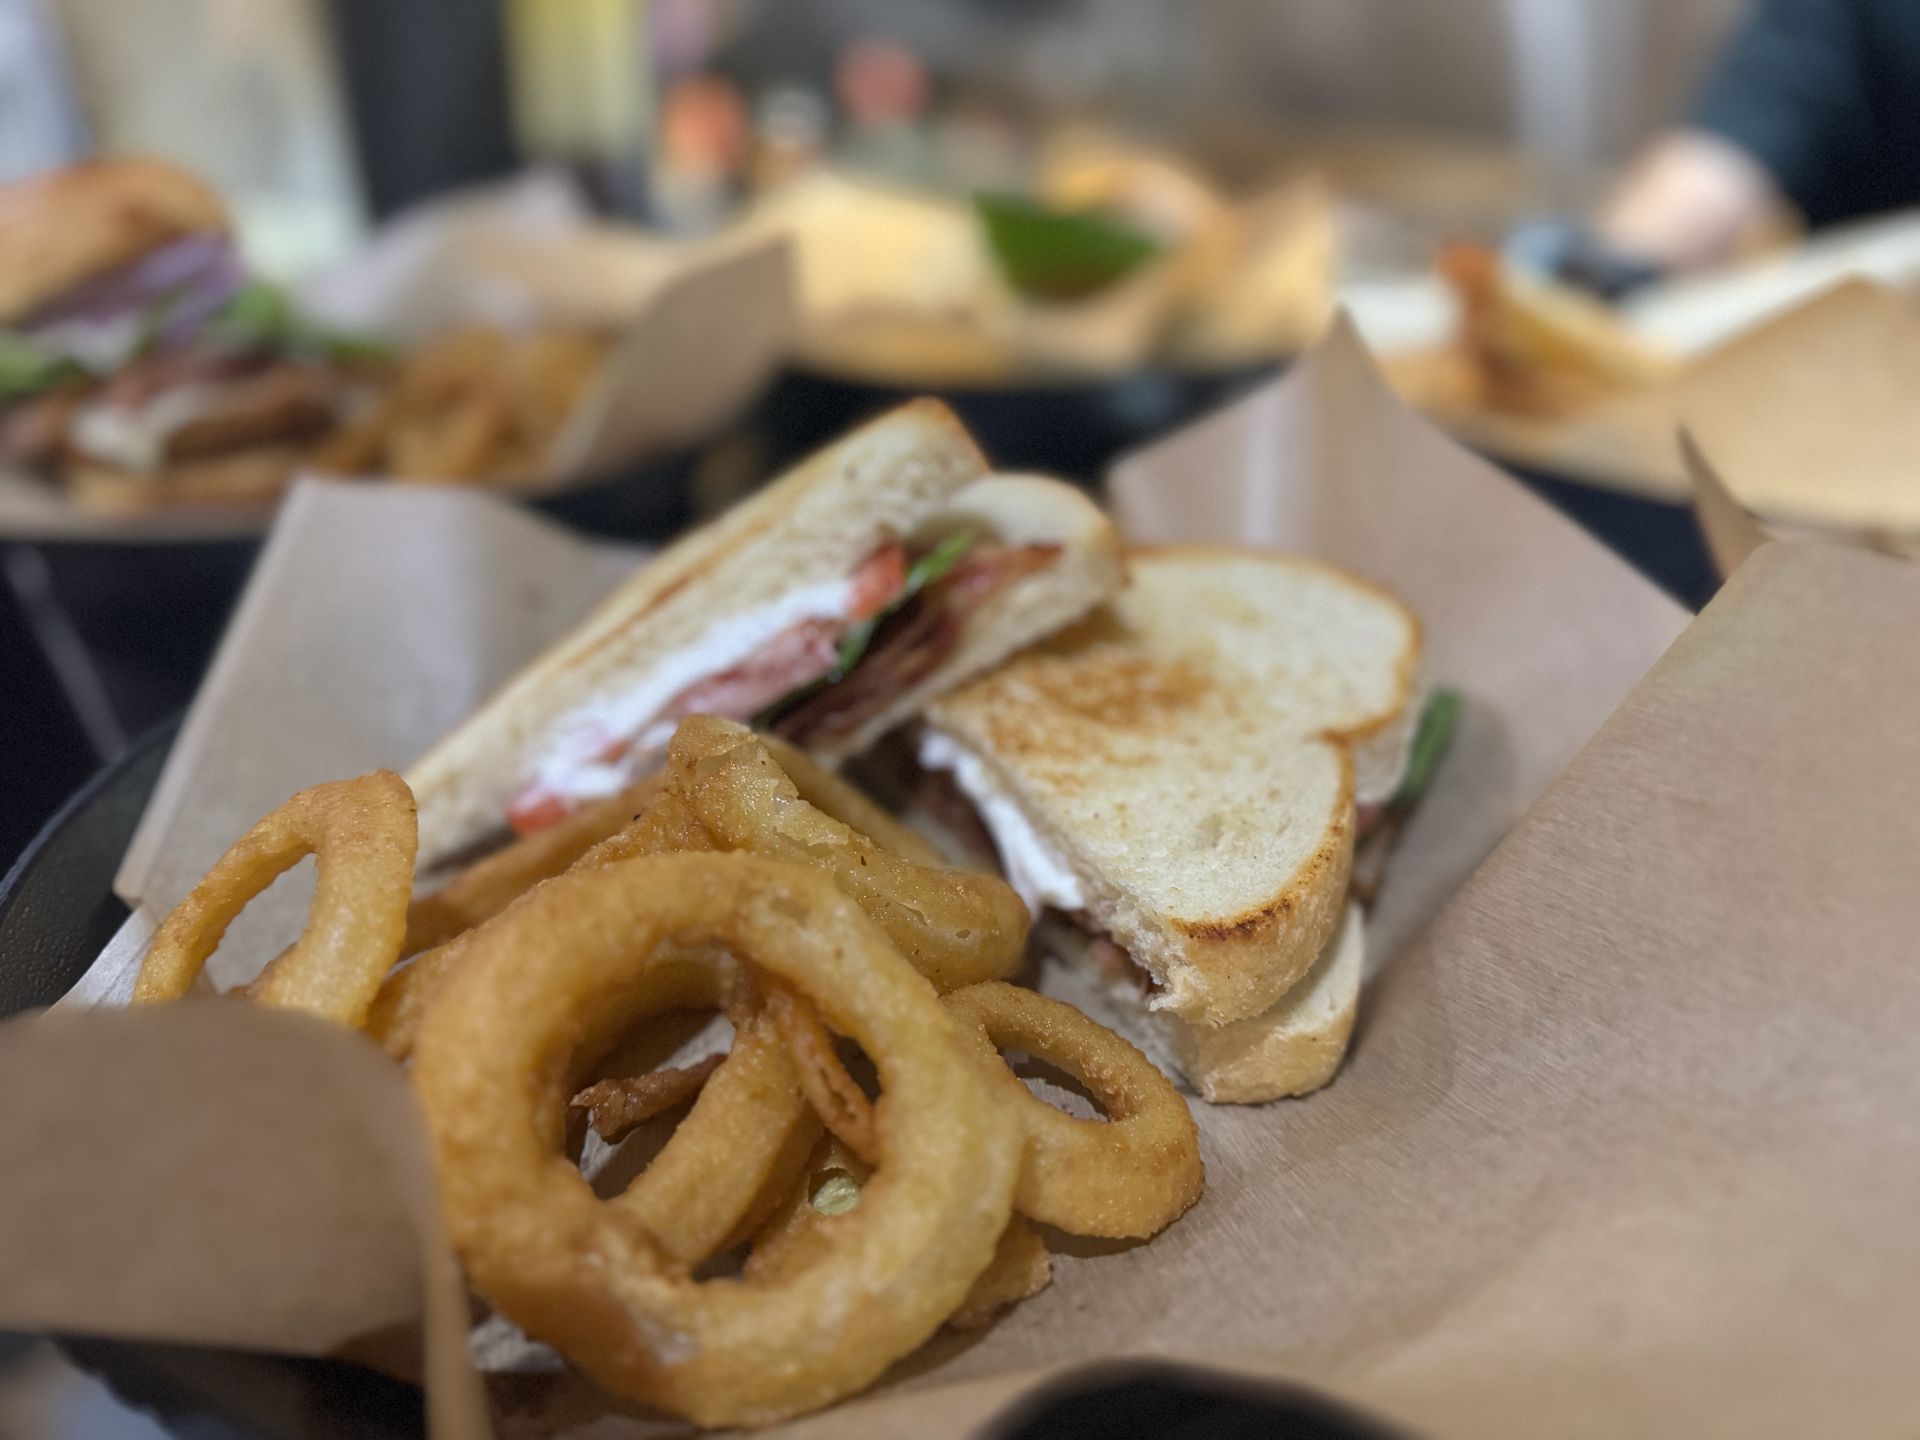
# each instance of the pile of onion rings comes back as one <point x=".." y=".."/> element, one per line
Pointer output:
<point x="861" y="1163"/>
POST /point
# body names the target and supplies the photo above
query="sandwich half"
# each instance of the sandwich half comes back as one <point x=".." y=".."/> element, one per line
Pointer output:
<point x="139" y="363"/>
<point x="1183" y="777"/>
<point x="828" y="608"/>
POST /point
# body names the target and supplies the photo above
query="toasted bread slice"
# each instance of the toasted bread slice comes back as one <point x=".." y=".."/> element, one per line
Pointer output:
<point x="1292" y="1048"/>
<point x="1182" y="768"/>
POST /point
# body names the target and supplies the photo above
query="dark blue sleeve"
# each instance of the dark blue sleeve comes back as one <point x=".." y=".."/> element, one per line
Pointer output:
<point x="1794" y="89"/>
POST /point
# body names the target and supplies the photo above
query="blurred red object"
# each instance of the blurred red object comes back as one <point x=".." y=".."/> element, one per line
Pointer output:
<point x="880" y="81"/>
<point x="704" y="126"/>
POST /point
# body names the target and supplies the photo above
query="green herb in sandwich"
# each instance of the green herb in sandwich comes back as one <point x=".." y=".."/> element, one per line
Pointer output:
<point x="1050" y="254"/>
<point x="1438" y="721"/>
<point x="26" y="369"/>
<point x="262" y="316"/>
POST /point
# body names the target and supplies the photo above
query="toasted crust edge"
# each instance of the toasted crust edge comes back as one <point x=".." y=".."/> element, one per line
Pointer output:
<point x="1219" y="970"/>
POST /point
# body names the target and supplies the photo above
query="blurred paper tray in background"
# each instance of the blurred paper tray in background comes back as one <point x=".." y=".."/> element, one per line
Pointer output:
<point x="701" y="329"/>
<point x="1809" y="416"/>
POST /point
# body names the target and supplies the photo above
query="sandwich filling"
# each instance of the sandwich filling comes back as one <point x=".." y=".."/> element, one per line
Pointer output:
<point x="1037" y="872"/>
<point x="813" y="667"/>
<point x="174" y="357"/>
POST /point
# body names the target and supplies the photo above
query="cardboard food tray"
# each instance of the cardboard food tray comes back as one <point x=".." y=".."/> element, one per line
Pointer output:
<point x="699" y="329"/>
<point x="1622" y="1147"/>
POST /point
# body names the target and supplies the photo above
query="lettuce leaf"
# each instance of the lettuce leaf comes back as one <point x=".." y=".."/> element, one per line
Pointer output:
<point x="1438" y="720"/>
<point x="1049" y="254"/>
<point x="263" y="316"/>
<point x="26" y="369"/>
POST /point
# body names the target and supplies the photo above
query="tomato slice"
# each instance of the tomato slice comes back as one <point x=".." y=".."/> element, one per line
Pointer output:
<point x="880" y="578"/>
<point x="534" y="809"/>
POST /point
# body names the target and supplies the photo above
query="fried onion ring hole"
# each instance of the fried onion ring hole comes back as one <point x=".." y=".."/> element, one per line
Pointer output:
<point x="497" y="1056"/>
<point x="362" y="834"/>
<point x="803" y="1222"/>
<point x="1128" y="1176"/>
<point x="733" y="1153"/>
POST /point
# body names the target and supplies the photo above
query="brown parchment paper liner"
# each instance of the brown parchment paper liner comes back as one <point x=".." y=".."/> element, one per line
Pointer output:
<point x="1626" y="1143"/>
<point x="372" y="619"/>
<point x="701" y="328"/>
<point x="1730" y="531"/>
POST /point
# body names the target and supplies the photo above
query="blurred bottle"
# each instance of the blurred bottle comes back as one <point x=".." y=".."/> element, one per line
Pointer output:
<point x="705" y="136"/>
<point x="884" y="92"/>
<point x="246" y="94"/>
<point x="40" y="124"/>
<point x="581" y="82"/>
<point x="790" y="134"/>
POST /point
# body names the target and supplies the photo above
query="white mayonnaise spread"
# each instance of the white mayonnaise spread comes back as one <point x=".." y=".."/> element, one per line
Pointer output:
<point x="135" y="437"/>
<point x="571" y="765"/>
<point x="1034" y="868"/>
<point x="100" y="344"/>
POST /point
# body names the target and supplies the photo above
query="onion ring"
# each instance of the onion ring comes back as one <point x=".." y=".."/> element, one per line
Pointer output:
<point x="661" y="827"/>
<point x="846" y="802"/>
<point x="503" y="1039"/>
<point x="749" y="1129"/>
<point x="841" y="1104"/>
<point x="488" y="886"/>
<point x="734" y="1152"/>
<point x="362" y="834"/>
<point x="802" y="1225"/>
<point x="1020" y="1268"/>
<point x="957" y="927"/>
<point x="1126" y="1177"/>
<point x="960" y="926"/>
<point x="400" y="1004"/>
<point x="618" y="1107"/>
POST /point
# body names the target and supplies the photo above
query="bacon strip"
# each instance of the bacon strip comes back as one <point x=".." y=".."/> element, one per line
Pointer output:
<point x="912" y="643"/>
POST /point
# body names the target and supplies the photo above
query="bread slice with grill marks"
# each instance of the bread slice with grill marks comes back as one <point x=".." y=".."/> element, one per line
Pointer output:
<point x="1186" y="763"/>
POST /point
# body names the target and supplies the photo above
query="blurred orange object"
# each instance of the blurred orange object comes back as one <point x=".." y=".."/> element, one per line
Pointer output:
<point x="880" y="81"/>
<point x="1537" y="348"/>
<point x="704" y="126"/>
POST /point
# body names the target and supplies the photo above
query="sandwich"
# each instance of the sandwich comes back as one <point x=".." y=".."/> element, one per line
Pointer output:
<point x="827" y="609"/>
<point x="1181" y="781"/>
<point x="139" y="364"/>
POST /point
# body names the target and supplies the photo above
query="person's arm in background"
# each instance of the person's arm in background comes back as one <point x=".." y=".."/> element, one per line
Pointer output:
<point x="1786" y="116"/>
<point x="1689" y="202"/>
